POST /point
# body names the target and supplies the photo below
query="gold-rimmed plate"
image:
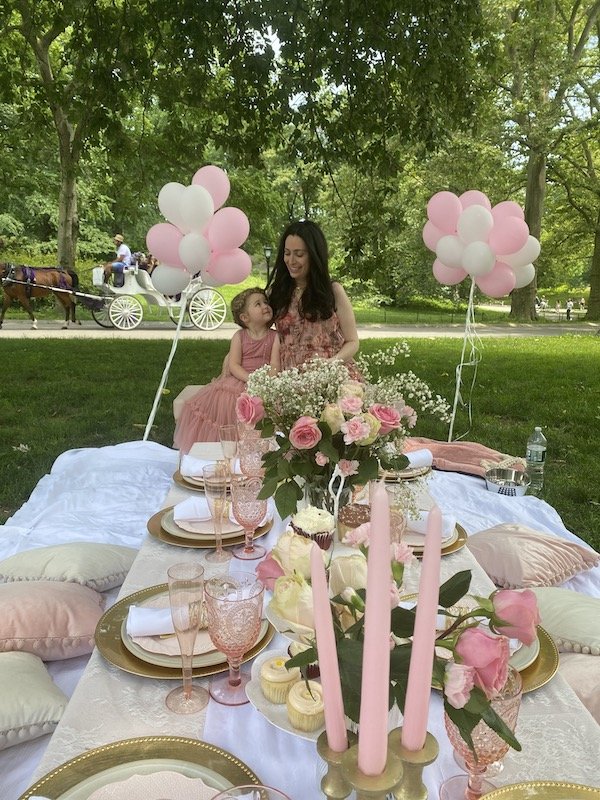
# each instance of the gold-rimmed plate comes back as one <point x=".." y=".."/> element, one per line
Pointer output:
<point x="544" y="668"/>
<point x="543" y="790"/>
<point x="198" y="530"/>
<point x="94" y="768"/>
<point x="195" y="484"/>
<point x="457" y="542"/>
<point x="110" y="642"/>
<point x="408" y="474"/>
<point x="155" y="529"/>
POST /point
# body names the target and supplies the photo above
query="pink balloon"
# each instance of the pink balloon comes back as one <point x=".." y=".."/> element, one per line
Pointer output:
<point x="447" y="275"/>
<point x="234" y="266"/>
<point x="443" y="210"/>
<point x="215" y="181"/>
<point x="497" y="283"/>
<point x="163" y="242"/>
<point x="228" y="229"/>
<point x="431" y="235"/>
<point x="473" y="197"/>
<point x="508" y="235"/>
<point x="507" y="208"/>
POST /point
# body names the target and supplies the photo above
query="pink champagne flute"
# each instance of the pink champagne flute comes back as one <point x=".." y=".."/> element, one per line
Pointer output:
<point x="186" y="598"/>
<point x="228" y="435"/>
<point x="249" y="511"/>
<point x="234" y="605"/>
<point x="216" y="483"/>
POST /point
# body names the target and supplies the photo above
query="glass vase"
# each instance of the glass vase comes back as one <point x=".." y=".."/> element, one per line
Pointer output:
<point x="317" y="494"/>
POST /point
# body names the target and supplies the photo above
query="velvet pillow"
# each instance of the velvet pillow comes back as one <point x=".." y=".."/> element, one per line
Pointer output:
<point x="582" y="673"/>
<point x="99" y="566"/>
<point x="517" y="557"/>
<point x="52" y="620"/>
<point x="30" y="703"/>
<point x="571" y="618"/>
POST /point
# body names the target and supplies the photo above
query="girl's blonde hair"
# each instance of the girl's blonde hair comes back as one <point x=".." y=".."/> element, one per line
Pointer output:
<point x="238" y="304"/>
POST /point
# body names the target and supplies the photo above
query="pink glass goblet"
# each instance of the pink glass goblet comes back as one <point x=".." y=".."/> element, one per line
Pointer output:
<point x="251" y="793"/>
<point x="489" y="747"/>
<point x="251" y="453"/>
<point x="216" y="483"/>
<point x="233" y="610"/>
<point x="186" y="597"/>
<point x="249" y="511"/>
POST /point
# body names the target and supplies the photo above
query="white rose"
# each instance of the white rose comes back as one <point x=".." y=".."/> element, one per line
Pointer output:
<point x="348" y="571"/>
<point x="293" y="600"/>
<point x="292" y="551"/>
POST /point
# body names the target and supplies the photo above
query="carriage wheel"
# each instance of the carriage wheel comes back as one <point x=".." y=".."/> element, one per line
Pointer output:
<point x="125" y="312"/>
<point x="174" y="312"/>
<point x="101" y="317"/>
<point x="207" y="309"/>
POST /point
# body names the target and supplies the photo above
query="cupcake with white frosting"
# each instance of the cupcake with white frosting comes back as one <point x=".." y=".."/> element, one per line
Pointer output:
<point x="276" y="680"/>
<point x="305" y="708"/>
<point x="315" y="524"/>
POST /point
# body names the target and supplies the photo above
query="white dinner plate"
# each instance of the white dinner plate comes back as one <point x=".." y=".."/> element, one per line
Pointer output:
<point x="275" y="713"/>
<point x="414" y="539"/>
<point x="198" y="530"/>
<point x="291" y="630"/>
<point x="525" y="655"/>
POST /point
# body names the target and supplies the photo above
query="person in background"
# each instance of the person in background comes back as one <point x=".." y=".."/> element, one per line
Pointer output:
<point x="122" y="260"/>
<point x="253" y="346"/>
<point x="313" y="315"/>
<point x="569" y="308"/>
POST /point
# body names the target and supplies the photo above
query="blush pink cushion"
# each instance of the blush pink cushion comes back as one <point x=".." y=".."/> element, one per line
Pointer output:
<point x="49" y="619"/>
<point x="582" y="673"/>
<point x="516" y="557"/>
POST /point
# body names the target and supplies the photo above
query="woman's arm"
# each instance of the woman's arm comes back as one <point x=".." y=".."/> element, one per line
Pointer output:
<point x="275" y="360"/>
<point x="235" y="358"/>
<point x="345" y="313"/>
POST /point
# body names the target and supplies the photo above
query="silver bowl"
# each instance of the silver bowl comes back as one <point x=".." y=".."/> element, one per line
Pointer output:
<point x="510" y="482"/>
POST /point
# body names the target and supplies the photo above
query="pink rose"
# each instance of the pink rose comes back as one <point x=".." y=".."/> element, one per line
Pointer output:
<point x="389" y="417"/>
<point x="401" y="553"/>
<point x="354" y="430"/>
<point x="516" y="614"/>
<point x="268" y="571"/>
<point x="249" y="409"/>
<point x="351" y="404"/>
<point x="305" y="433"/>
<point x="347" y="467"/>
<point x="321" y="459"/>
<point x="359" y="536"/>
<point x="458" y="682"/>
<point x="410" y="415"/>
<point x="488" y="655"/>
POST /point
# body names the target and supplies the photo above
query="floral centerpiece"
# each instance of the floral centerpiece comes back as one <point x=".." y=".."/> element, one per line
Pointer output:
<point x="472" y="657"/>
<point x="333" y="433"/>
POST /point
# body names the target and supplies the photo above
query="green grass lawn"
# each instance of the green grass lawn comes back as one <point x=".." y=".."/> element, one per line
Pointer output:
<point x="58" y="395"/>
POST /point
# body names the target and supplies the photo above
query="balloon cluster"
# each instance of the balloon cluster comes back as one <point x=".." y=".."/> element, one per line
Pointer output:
<point x="469" y="237"/>
<point x="200" y="236"/>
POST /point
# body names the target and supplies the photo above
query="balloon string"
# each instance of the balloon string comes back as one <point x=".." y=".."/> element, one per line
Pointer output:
<point x="472" y="339"/>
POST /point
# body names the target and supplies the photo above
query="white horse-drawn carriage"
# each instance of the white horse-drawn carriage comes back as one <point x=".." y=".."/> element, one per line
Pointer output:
<point x="203" y="306"/>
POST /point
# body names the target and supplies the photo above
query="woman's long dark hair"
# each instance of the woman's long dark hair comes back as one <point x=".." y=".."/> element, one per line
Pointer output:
<point x="317" y="300"/>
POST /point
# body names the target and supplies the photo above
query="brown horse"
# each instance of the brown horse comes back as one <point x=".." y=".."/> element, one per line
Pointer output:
<point x="22" y="283"/>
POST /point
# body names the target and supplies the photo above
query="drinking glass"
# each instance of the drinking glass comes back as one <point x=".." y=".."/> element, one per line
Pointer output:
<point x="186" y="597"/>
<point x="249" y="511"/>
<point x="251" y="793"/>
<point x="398" y="516"/>
<point x="251" y="451"/>
<point x="216" y="483"/>
<point x="228" y="435"/>
<point x="489" y="747"/>
<point x="233" y="610"/>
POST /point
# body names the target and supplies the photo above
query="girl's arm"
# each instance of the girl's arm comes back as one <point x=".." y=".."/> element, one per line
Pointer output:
<point x="235" y="358"/>
<point x="275" y="362"/>
<point x="345" y="314"/>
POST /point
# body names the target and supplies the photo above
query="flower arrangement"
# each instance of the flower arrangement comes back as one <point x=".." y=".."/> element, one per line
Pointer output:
<point x="332" y="431"/>
<point x="472" y="656"/>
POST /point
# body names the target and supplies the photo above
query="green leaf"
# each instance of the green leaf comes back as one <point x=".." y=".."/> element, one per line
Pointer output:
<point x="368" y="469"/>
<point x="286" y="498"/>
<point x="302" y="659"/>
<point x="454" y="588"/>
<point x="327" y="447"/>
<point x="268" y="489"/>
<point x="403" y="622"/>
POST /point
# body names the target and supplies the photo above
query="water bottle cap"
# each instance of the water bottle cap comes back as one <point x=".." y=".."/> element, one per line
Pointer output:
<point x="538" y="428"/>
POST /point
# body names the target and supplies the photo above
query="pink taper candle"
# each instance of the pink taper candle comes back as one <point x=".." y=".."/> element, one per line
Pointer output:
<point x="335" y="724"/>
<point x="374" y="690"/>
<point x="418" y="690"/>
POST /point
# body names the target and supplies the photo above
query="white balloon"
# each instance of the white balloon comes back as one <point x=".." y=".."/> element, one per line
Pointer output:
<point x="449" y="250"/>
<point x="527" y="254"/>
<point x="169" y="199"/>
<point x="524" y="275"/>
<point x="170" y="280"/>
<point x="194" y="252"/>
<point x="196" y="207"/>
<point x="475" y="224"/>
<point x="210" y="280"/>
<point x="478" y="258"/>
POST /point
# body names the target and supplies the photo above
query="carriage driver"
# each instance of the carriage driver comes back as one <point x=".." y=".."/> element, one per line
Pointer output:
<point x="123" y="259"/>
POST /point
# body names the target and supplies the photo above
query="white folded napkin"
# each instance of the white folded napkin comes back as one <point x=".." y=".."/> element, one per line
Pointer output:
<point x="192" y="509"/>
<point x="440" y="623"/>
<point x="191" y="467"/>
<point x="419" y="458"/>
<point x="420" y="525"/>
<point x="143" y="621"/>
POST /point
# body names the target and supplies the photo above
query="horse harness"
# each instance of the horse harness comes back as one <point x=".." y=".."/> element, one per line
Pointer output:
<point x="28" y="280"/>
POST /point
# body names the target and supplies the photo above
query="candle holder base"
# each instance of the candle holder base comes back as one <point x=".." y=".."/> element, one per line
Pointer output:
<point x="411" y="786"/>
<point x="371" y="787"/>
<point x="333" y="784"/>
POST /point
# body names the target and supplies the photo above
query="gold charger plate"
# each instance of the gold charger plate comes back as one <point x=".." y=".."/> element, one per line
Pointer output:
<point x="156" y="530"/>
<point x="171" y="748"/>
<point x="452" y="547"/>
<point x="111" y="646"/>
<point x="543" y="790"/>
<point x="407" y="474"/>
<point x="545" y="665"/>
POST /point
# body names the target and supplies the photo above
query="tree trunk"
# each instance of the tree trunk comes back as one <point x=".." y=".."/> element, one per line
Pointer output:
<point x="68" y="221"/>
<point x="593" y="312"/>
<point x="523" y="300"/>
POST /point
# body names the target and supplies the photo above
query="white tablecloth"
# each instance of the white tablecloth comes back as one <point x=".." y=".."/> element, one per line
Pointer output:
<point x="560" y="739"/>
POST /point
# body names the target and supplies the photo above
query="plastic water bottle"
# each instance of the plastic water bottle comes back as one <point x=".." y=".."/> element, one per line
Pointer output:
<point x="536" y="458"/>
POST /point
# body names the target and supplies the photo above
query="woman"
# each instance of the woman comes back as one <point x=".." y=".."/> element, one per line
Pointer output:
<point x="313" y="315"/>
